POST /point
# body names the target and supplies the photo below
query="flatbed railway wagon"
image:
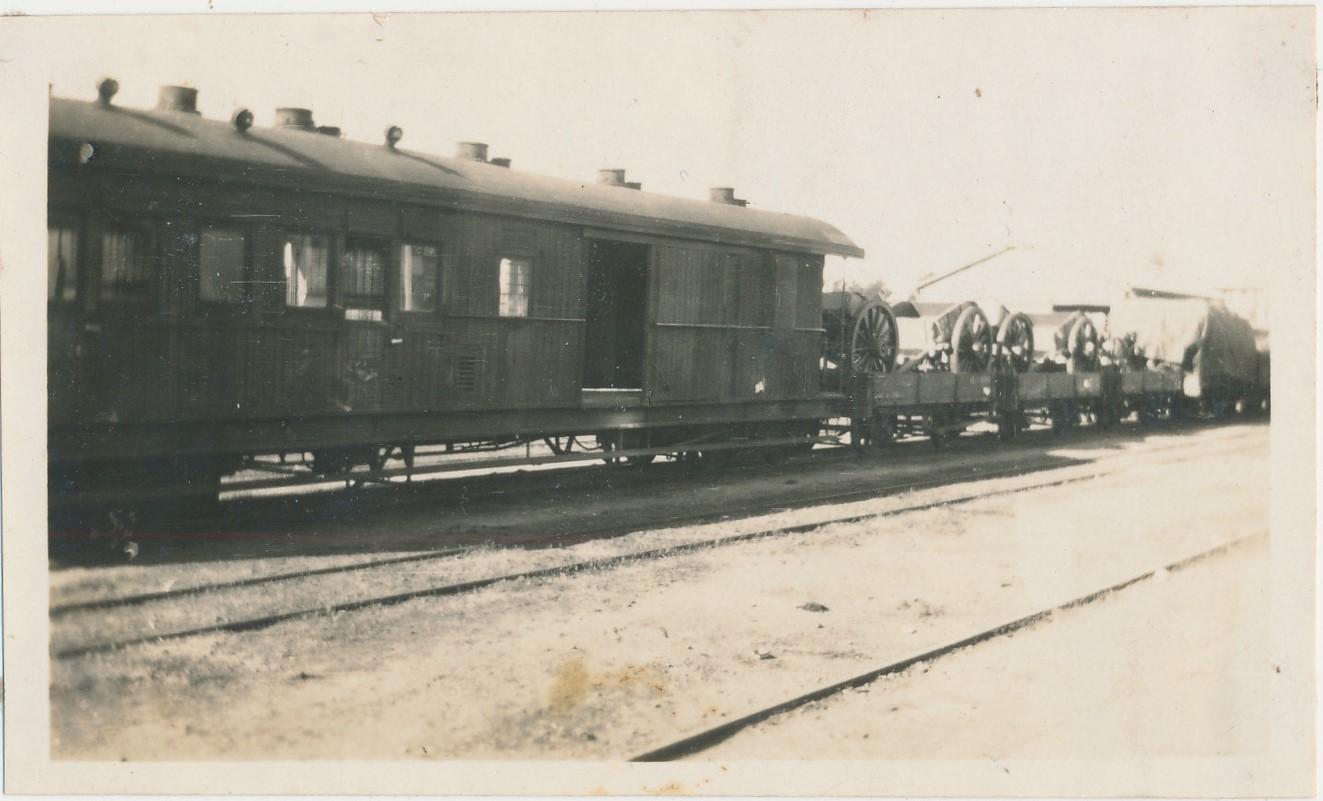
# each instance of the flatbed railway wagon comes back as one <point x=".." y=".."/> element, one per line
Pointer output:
<point x="219" y="292"/>
<point x="987" y="375"/>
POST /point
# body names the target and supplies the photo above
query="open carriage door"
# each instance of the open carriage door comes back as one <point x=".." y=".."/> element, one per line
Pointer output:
<point x="616" y="315"/>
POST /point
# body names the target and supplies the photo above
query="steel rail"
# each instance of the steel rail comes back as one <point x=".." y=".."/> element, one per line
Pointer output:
<point x="708" y="738"/>
<point x="59" y="610"/>
<point x="266" y="621"/>
<point x="606" y="531"/>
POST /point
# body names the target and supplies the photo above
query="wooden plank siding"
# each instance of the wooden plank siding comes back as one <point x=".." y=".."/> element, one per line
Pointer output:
<point x="726" y="326"/>
<point x="175" y="359"/>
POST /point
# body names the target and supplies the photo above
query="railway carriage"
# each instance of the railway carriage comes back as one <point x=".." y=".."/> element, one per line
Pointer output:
<point x="218" y="290"/>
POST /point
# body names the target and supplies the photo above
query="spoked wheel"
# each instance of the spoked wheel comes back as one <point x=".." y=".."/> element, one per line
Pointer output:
<point x="1082" y="347"/>
<point x="862" y="335"/>
<point x="971" y="342"/>
<point x="875" y="340"/>
<point x="1015" y="342"/>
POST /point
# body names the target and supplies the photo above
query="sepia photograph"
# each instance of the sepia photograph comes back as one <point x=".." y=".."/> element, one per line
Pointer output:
<point x="707" y="402"/>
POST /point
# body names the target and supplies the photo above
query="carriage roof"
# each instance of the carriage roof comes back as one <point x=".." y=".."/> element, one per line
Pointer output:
<point x="185" y="144"/>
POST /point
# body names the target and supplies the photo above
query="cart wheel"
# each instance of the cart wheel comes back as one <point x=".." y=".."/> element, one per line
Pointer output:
<point x="1082" y="355"/>
<point x="971" y="342"/>
<point x="875" y="340"/>
<point x="1015" y="342"/>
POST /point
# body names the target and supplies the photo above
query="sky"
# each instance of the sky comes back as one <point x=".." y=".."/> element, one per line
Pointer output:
<point x="1159" y="147"/>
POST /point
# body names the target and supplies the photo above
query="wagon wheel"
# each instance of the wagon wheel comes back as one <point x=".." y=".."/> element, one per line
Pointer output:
<point x="1082" y="343"/>
<point x="875" y="340"/>
<point x="971" y="342"/>
<point x="1015" y="342"/>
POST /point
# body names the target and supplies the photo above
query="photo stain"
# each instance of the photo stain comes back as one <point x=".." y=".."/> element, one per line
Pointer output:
<point x="570" y="686"/>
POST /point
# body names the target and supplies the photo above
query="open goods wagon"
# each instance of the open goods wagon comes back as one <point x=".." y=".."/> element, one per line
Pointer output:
<point x="980" y="371"/>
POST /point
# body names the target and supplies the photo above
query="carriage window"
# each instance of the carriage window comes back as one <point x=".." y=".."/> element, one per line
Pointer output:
<point x="306" y="259"/>
<point x="221" y="257"/>
<point x="61" y="262"/>
<point x="420" y="271"/>
<point x="363" y="280"/>
<point x="124" y="264"/>
<point x="514" y="287"/>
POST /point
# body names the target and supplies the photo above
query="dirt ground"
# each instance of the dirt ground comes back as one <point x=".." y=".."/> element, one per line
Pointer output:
<point x="610" y="664"/>
<point x="1174" y="667"/>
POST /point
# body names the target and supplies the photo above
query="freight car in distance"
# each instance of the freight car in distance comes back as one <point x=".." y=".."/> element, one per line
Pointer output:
<point x="219" y="291"/>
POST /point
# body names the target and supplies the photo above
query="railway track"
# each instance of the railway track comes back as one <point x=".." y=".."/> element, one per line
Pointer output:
<point x="254" y="518"/>
<point x="703" y="740"/>
<point x="266" y="620"/>
<point x="600" y="532"/>
<point x="241" y="514"/>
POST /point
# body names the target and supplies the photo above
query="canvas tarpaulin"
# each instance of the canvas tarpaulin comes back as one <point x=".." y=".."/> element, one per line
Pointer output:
<point x="1203" y="337"/>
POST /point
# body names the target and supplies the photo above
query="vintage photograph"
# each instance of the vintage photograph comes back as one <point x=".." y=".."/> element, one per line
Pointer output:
<point x="690" y="402"/>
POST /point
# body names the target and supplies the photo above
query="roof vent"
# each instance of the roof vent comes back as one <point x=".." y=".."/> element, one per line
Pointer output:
<point x="393" y="136"/>
<point x="725" y="194"/>
<point x="178" y="98"/>
<point x="329" y="130"/>
<point x="633" y="185"/>
<point x="106" y="89"/>
<point x="611" y="177"/>
<point x="473" y="151"/>
<point x="299" y="118"/>
<point x="500" y="162"/>
<point x="242" y="120"/>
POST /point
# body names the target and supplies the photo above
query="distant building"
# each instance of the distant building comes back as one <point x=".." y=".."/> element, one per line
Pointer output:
<point x="1022" y="280"/>
<point x="1018" y="279"/>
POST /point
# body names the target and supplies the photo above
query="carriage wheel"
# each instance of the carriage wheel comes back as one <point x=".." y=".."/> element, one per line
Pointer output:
<point x="875" y="340"/>
<point x="1083" y="344"/>
<point x="1015" y="342"/>
<point x="971" y="342"/>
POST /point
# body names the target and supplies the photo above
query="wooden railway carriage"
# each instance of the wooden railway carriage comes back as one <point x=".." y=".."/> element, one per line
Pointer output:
<point x="218" y="290"/>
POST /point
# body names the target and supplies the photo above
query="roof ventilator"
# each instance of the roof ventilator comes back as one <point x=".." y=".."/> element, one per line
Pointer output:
<point x="106" y="89"/>
<point x="242" y="120"/>
<point x="611" y="177"/>
<point x="183" y="99"/>
<point x="472" y="151"/>
<point x="726" y="195"/>
<point x="300" y="119"/>
<point x="393" y="136"/>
